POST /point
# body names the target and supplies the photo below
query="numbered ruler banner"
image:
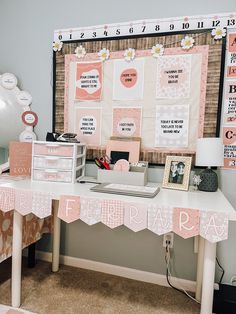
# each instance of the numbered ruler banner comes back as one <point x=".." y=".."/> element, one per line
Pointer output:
<point x="186" y="222"/>
<point x="90" y="210"/>
<point x="135" y="217"/>
<point x="160" y="219"/>
<point x="148" y="27"/>
<point x="7" y="199"/>
<point x="69" y="208"/>
<point x="214" y="226"/>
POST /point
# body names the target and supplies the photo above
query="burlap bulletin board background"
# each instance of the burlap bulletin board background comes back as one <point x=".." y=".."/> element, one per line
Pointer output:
<point x="213" y="90"/>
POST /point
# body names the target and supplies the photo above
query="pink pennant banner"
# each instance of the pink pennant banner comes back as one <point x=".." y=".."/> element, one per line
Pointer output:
<point x="7" y="199"/>
<point x="90" y="210"/>
<point x="160" y="219"/>
<point x="23" y="201"/>
<point x="135" y="216"/>
<point x="42" y="204"/>
<point x="112" y="213"/>
<point x="69" y="208"/>
<point x="214" y="226"/>
<point x="186" y="222"/>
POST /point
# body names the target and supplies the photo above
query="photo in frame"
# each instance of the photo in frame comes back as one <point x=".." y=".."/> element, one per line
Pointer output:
<point x="177" y="172"/>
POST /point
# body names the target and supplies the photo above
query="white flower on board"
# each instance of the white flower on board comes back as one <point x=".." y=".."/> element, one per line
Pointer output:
<point x="187" y="42"/>
<point x="80" y="52"/>
<point x="57" y="45"/>
<point x="218" y="33"/>
<point x="104" y="54"/>
<point x="157" y="50"/>
<point x="129" y="54"/>
<point x="196" y="179"/>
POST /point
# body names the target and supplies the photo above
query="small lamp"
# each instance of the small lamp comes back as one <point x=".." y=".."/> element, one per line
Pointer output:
<point x="209" y="153"/>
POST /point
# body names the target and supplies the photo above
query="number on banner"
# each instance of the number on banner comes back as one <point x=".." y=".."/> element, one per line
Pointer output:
<point x="143" y="28"/>
<point x="131" y="30"/>
<point x="157" y="28"/>
<point x="60" y="37"/>
<point x="200" y="25"/>
<point x="231" y="22"/>
<point x="118" y="31"/>
<point x="172" y="27"/>
<point x="216" y="23"/>
<point x="185" y="25"/>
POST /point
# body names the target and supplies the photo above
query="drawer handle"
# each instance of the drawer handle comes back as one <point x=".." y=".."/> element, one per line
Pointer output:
<point x="51" y="158"/>
<point x="52" y="145"/>
<point x="51" y="171"/>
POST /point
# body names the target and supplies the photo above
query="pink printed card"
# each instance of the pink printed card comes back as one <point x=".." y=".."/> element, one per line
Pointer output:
<point x="186" y="222"/>
<point x="127" y="122"/>
<point x="89" y="80"/>
<point x="20" y="156"/>
<point x="69" y="208"/>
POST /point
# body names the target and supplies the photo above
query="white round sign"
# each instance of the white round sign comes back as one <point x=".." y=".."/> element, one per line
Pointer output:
<point x="24" y="98"/>
<point x="27" y="136"/>
<point x="8" y="80"/>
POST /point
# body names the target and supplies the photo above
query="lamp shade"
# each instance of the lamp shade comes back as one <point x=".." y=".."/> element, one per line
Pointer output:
<point x="210" y="152"/>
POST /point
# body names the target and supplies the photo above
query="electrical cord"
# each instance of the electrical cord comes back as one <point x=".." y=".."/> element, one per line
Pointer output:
<point x="222" y="269"/>
<point x="168" y="275"/>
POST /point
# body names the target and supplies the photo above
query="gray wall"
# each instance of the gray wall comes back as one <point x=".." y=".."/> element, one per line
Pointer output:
<point x="26" y="33"/>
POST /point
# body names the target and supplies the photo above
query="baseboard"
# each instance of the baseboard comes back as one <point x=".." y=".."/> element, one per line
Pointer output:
<point x="118" y="271"/>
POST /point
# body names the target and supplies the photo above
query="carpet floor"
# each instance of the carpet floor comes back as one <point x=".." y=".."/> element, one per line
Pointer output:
<point x="79" y="291"/>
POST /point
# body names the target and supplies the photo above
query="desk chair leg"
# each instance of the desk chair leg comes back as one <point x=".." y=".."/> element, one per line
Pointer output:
<point x="200" y="259"/>
<point x="31" y="255"/>
<point x="56" y="238"/>
<point x="16" y="259"/>
<point x="208" y="277"/>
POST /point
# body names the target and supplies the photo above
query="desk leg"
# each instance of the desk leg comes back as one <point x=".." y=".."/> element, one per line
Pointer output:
<point x="56" y="238"/>
<point x="208" y="277"/>
<point x="200" y="259"/>
<point x="16" y="259"/>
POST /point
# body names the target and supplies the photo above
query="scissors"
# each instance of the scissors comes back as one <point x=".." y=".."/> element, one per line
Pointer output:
<point x="103" y="162"/>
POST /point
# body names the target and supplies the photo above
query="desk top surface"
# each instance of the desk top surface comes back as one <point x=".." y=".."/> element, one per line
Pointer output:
<point x="215" y="201"/>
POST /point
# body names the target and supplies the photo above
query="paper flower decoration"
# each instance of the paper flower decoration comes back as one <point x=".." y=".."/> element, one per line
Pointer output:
<point x="57" y="45"/>
<point x="80" y="52"/>
<point x="129" y="54"/>
<point x="196" y="179"/>
<point x="218" y="33"/>
<point x="157" y="50"/>
<point x="104" y="54"/>
<point x="187" y="42"/>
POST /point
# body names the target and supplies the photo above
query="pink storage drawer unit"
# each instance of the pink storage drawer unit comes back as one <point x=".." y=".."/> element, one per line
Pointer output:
<point x="57" y="161"/>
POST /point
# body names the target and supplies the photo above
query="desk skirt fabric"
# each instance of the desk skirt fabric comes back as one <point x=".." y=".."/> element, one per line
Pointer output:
<point x="33" y="229"/>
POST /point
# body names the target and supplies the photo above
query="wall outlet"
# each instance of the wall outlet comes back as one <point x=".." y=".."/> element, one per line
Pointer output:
<point x="168" y="239"/>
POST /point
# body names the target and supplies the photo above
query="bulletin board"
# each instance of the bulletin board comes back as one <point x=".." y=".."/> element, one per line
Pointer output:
<point x="195" y="100"/>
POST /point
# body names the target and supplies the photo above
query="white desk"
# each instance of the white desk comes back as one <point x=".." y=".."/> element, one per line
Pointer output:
<point x="198" y="200"/>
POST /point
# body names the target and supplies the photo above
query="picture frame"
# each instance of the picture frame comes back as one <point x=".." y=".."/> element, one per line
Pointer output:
<point x="177" y="173"/>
